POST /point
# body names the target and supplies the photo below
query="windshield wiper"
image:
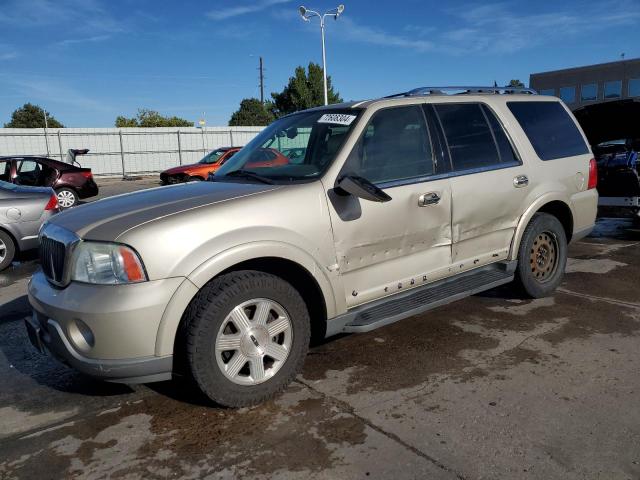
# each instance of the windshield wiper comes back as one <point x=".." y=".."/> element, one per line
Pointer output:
<point x="248" y="174"/>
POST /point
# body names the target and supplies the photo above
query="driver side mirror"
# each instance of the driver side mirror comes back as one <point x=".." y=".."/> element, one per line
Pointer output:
<point x="362" y="188"/>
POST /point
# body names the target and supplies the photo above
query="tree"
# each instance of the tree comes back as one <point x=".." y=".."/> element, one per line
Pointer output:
<point x="150" y="118"/>
<point x="126" y="122"/>
<point x="251" y="112"/>
<point x="304" y="90"/>
<point x="31" y="116"/>
<point x="515" y="84"/>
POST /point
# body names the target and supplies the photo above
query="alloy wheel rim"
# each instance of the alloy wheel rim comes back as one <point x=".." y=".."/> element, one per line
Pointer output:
<point x="3" y="251"/>
<point x="254" y="341"/>
<point x="543" y="257"/>
<point x="66" y="199"/>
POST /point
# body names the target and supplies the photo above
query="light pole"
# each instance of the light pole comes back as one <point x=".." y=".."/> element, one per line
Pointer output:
<point x="306" y="15"/>
<point x="46" y="126"/>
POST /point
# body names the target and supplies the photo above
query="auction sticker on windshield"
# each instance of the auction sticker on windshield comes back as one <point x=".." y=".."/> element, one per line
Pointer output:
<point x="337" y="118"/>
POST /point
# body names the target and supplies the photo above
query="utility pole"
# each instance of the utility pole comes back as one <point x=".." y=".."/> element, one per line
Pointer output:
<point x="261" y="81"/>
<point x="46" y="126"/>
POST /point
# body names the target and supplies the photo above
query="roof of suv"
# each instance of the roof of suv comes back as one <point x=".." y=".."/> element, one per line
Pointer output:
<point x="469" y="93"/>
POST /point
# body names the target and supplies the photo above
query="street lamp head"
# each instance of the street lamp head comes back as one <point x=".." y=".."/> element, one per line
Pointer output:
<point x="336" y="11"/>
<point x="303" y="13"/>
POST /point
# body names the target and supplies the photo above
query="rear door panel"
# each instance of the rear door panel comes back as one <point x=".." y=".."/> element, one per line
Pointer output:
<point x="486" y="201"/>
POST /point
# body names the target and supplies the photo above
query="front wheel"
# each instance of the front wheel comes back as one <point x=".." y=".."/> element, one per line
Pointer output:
<point x="542" y="256"/>
<point x="67" y="197"/>
<point x="247" y="337"/>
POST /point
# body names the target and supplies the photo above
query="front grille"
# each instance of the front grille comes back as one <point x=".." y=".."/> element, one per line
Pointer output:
<point x="52" y="258"/>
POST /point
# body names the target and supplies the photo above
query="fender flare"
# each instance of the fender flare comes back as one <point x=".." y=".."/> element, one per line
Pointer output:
<point x="526" y="217"/>
<point x="227" y="259"/>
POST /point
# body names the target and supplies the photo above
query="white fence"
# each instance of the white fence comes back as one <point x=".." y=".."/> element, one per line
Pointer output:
<point x="125" y="151"/>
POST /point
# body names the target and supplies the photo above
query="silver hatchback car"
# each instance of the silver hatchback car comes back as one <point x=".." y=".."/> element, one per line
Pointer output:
<point x="397" y="206"/>
<point x="23" y="210"/>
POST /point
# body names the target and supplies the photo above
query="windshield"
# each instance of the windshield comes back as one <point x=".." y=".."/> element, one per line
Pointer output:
<point x="213" y="157"/>
<point x="296" y="147"/>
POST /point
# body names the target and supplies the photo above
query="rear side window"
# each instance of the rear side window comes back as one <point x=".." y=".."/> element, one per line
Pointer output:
<point x="507" y="155"/>
<point x="550" y="129"/>
<point x="474" y="136"/>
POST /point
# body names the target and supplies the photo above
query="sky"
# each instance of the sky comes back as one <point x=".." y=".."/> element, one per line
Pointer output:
<point x="88" y="61"/>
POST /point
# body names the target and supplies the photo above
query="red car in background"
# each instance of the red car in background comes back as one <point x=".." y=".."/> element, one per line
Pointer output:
<point x="265" y="157"/>
<point x="70" y="182"/>
<point x="198" y="171"/>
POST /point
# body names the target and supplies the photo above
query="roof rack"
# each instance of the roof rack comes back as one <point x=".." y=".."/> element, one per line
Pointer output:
<point x="463" y="90"/>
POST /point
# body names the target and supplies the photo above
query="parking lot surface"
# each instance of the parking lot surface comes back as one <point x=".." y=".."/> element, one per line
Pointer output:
<point x="493" y="386"/>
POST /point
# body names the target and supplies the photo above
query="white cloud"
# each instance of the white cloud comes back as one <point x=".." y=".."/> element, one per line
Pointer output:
<point x="374" y="36"/>
<point x="246" y="8"/>
<point x="419" y="30"/>
<point x="73" y="41"/>
<point x="7" y="52"/>
<point x="76" y="15"/>
<point x="53" y="92"/>
<point x="506" y="28"/>
<point x="495" y="28"/>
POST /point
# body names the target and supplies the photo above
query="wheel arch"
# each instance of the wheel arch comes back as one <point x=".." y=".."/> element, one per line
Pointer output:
<point x="300" y="278"/>
<point x="65" y="186"/>
<point x="285" y="261"/>
<point x="553" y="204"/>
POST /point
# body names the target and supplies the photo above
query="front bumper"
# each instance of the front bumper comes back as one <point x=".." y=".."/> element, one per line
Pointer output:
<point x="171" y="179"/>
<point x="106" y="331"/>
<point x="50" y="338"/>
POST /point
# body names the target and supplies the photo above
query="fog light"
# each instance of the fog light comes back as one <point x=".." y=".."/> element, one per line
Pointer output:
<point x="81" y="335"/>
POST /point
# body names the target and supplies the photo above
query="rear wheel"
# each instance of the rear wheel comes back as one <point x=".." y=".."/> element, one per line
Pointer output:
<point x="7" y="250"/>
<point x="542" y="256"/>
<point x="247" y="337"/>
<point x="67" y="197"/>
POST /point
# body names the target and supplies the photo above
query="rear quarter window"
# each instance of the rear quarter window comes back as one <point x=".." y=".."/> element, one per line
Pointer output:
<point x="551" y="131"/>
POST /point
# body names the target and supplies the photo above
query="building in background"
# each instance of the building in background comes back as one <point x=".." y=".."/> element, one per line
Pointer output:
<point x="592" y="84"/>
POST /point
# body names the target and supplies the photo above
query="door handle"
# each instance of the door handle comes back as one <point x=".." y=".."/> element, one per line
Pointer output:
<point x="521" y="181"/>
<point x="426" y="199"/>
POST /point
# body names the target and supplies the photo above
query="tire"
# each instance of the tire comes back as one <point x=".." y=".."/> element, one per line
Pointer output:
<point x="542" y="256"/>
<point x="212" y="321"/>
<point x="7" y="250"/>
<point x="67" y="198"/>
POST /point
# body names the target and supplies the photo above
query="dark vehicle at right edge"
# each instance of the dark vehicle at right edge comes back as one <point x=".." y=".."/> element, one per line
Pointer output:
<point x="613" y="130"/>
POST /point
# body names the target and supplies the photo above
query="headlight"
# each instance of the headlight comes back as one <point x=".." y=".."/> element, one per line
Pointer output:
<point x="107" y="264"/>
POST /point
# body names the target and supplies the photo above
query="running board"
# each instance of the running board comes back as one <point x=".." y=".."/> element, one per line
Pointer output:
<point x="421" y="299"/>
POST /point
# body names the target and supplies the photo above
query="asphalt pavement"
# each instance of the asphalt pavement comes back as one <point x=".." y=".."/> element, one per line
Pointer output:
<point x="493" y="386"/>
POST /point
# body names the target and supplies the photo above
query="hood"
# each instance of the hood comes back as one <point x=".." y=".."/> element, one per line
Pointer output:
<point x="109" y="218"/>
<point x="182" y="168"/>
<point x="614" y="120"/>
